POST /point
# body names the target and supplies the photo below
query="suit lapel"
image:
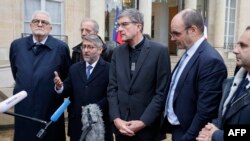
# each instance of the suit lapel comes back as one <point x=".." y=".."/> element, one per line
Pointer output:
<point x="82" y="71"/>
<point x="140" y="61"/>
<point x="188" y="68"/>
<point x="237" y="105"/>
<point x="97" y="70"/>
<point x="123" y="63"/>
<point x="184" y="73"/>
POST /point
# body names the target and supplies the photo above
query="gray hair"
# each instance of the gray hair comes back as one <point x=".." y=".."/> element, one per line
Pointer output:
<point x="96" y="26"/>
<point x="134" y="15"/>
<point x="193" y="17"/>
<point x="41" y="12"/>
<point x="95" y="39"/>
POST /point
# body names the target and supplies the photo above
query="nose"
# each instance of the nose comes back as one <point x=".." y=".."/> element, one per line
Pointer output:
<point x="235" y="50"/>
<point x="84" y="33"/>
<point x="40" y="23"/>
<point x="172" y="38"/>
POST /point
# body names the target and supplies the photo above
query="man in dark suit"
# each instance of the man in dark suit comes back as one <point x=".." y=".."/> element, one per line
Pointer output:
<point x="235" y="103"/>
<point x="84" y="89"/>
<point x="90" y="26"/>
<point x="139" y="72"/>
<point x="196" y="85"/>
<point x="33" y="60"/>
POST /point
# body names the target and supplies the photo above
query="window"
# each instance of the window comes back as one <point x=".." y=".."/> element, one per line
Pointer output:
<point x="110" y="14"/>
<point x="55" y="9"/>
<point x="230" y="22"/>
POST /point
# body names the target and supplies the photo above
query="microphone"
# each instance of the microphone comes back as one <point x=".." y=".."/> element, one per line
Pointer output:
<point x="60" y="110"/>
<point x="11" y="101"/>
<point x="54" y="118"/>
<point x="92" y="123"/>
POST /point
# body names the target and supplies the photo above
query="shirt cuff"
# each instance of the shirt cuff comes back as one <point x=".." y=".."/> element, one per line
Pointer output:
<point x="59" y="91"/>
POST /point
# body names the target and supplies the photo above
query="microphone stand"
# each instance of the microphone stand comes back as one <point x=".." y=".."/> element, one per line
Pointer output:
<point x="26" y="117"/>
<point x="42" y="132"/>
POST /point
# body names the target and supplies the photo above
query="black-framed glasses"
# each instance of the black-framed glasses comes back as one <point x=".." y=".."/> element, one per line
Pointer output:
<point x="43" y="22"/>
<point x="123" y="24"/>
<point x="89" y="47"/>
<point x="177" y="33"/>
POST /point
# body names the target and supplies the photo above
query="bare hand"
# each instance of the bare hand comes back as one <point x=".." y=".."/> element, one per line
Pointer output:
<point x="206" y="133"/>
<point x="136" y="125"/>
<point x="57" y="80"/>
<point x="122" y="126"/>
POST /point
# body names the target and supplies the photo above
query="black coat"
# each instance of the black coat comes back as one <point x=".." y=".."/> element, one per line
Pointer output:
<point x="35" y="74"/>
<point x="83" y="91"/>
<point x="142" y="96"/>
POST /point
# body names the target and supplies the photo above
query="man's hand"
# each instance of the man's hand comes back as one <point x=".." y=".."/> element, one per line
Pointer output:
<point x="57" y="80"/>
<point x="136" y="125"/>
<point x="122" y="126"/>
<point x="206" y="133"/>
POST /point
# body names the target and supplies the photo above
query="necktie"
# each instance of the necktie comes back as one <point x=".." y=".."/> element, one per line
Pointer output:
<point x="89" y="67"/>
<point x="240" y="90"/>
<point x="37" y="48"/>
<point x="170" y="95"/>
<point x="177" y="70"/>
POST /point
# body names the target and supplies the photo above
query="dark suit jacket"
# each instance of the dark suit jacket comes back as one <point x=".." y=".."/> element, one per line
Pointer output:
<point x="198" y="91"/>
<point x="238" y="113"/>
<point x="83" y="92"/>
<point x="35" y="74"/>
<point x="142" y="96"/>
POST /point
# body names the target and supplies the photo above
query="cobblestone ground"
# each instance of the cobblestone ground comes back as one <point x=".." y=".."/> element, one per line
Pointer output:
<point x="7" y="135"/>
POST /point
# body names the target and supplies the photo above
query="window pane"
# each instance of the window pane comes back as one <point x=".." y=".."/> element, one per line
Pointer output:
<point x="233" y="3"/>
<point x="231" y="28"/>
<point x="28" y="9"/>
<point x="232" y="15"/>
<point x="27" y="27"/>
<point x="54" y="9"/>
<point x="226" y="14"/>
<point x="56" y="29"/>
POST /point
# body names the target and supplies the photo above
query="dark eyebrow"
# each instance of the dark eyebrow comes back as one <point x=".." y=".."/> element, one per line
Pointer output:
<point x="242" y="44"/>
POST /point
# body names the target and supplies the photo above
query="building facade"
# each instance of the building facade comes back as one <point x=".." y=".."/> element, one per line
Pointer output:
<point x="225" y="20"/>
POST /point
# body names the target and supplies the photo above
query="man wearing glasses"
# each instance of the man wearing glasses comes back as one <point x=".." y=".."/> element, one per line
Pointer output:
<point x="90" y="26"/>
<point x="33" y="61"/>
<point x="87" y="88"/>
<point x="139" y="72"/>
<point x="195" y="88"/>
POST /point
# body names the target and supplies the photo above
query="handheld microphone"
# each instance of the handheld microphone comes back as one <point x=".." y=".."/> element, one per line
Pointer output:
<point x="11" y="101"/>
<point x="54" y="118"/>
<point x="60" y="110"/>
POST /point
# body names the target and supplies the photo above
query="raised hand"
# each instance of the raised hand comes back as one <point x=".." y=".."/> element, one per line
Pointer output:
<point x="57" y="80"/>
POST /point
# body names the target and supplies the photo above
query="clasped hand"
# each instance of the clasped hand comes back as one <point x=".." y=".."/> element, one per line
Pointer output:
<point x="128" y="128"/>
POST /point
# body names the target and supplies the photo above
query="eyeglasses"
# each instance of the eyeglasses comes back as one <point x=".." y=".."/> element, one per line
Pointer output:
<point x="89" y="47"/>
<point x="43" y="22"/>
<point x="124" y="24"/>
<point x="176" y="33"/>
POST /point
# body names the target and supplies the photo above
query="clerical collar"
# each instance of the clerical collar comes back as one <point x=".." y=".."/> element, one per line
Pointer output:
<point x="139" y="45"/>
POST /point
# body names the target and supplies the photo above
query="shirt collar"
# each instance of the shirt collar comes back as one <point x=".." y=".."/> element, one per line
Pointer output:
<point x="195" y="46"/>
<point x="42" y="42"/>
<point x="93" y="64"/>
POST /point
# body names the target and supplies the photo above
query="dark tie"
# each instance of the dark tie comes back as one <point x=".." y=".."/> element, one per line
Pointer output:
<point x="89" y="67"/>
<point x="37" y="48"/>
<point x="240" y="90"/>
